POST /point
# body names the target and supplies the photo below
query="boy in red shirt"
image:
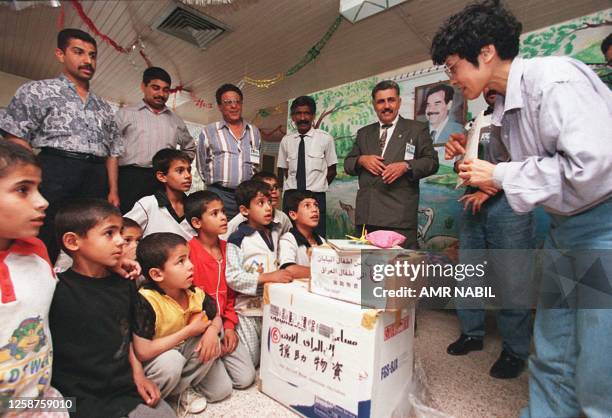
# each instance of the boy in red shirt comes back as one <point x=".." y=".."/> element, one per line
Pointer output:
<point x="205" y="212"/>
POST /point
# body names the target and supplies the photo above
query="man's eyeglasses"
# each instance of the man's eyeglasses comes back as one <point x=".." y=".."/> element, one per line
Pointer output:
<point x="229" y="102"/>
<point x="274" y="187"/>
<point x="448" y="69"/>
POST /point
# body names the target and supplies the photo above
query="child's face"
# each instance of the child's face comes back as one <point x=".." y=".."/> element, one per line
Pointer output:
<point x="178" y="177"/>
<point x="177" y="272"/>
<point x="259" y="212"/>
<point x="274" y="191"/>
<point x="132" y="236"/>
<point x="22" y="207"/>
<point x="307" y="213"/>
<point x="103" y="244"/>
<point x="213" y="221"/>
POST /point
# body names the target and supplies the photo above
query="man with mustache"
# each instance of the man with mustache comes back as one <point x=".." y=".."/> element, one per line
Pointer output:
<point x="147" y="127"/>
<point x="228" y="151"/>
<point x="74" y="129"/>
<point x="307" y="158"/>
<point x="390" y="157"/>
<point x="439" y="101"/>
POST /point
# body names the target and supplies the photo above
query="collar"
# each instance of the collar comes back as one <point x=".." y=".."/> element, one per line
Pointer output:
<point x="25" y="246"/>
<point x="309" y="134"/>
<point x="514" y="97"/>
<point x="224" y="124"/>
<point x="393" y="124"/>
<point x="164" y="202"/>
<point x="144" y="105"/>
<point x="440" y="128"/>
<point x="151" y="285"/>
<point x="247" y="230"/>
<point x="301" y="239"/>
<point x="68" y="83"/>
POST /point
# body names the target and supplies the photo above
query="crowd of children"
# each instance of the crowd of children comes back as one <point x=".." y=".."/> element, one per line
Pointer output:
<point x="181" y="327"/>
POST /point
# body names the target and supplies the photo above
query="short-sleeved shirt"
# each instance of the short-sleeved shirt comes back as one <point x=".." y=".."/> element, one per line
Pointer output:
<point x="155" y="214"/>
<point x="91" y="323"/>
<point x="293" y="248"/>
<point x="51" y="114"/>
<point x="145" y="132"/>
<point x="320" y="153"/>
<point x="224" y="159"/>
<point x="158" y="315"/>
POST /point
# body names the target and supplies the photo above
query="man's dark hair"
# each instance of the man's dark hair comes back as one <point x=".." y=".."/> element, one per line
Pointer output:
<point x="81" y="215"/>
<point x="165" y="157"/>
<point x="385" y="85"/>
<point x="304" y="101"/>
<point x="130" y="223"/>
<point x="12" y="155"/>
<point x="264" y="175"/>
<point x="477" y="25"/>
<point x="224" y="89"/>
<point x="197" y="202"/>
<point x="154" y="249"/>
<point x="606" y="44"/>
<point x="449" y="92"/>
<point x="294" y="199"/>
<point x="155" y="73"/>
<point x="248" y="190"/>
<point x="65" y="35"/>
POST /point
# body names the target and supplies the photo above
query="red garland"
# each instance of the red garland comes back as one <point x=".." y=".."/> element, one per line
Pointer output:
<point x="200" y="103"/>
<point x="60" y="18"/>
<point x="77" y="6"/>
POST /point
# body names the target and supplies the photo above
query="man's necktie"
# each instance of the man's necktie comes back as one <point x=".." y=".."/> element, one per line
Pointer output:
<point x="383" y="136"/>
<point x="433" y="135"/>
<point x="301" y="165"/>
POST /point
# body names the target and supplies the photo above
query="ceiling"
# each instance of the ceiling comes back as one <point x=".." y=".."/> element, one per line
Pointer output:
<point x="267" y="37"/>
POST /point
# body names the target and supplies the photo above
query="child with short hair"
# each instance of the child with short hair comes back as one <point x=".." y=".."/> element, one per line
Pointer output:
<point x="206" y="214"/>
<point x="27" y="281"/>
<point x="177" y="331"/>
<point x="164" y="211"/>
<point x="91" y="319"/>
<point x="295" y="246"/>
<point x="252" y="260"/>
<point x="279" y="217"/>
<point x="132" y="234"/>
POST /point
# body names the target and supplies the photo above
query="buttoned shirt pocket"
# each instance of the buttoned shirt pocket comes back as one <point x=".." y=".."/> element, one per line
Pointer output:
<point x="292" y="161"/>
<point x="316" y="160"/>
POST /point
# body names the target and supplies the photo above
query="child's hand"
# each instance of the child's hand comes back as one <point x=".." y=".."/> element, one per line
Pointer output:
<point x="147" y="390"/>
<point x="197" y="324"/>
<point x="278" y="276"/>
<point x="128" y="269"/>
<point x="209" y="345"/>
<point x="230" y="341"/>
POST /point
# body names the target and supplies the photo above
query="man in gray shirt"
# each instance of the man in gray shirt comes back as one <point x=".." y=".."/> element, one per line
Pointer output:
<point x="556" y="123"/>
<point x="147" y="127"/>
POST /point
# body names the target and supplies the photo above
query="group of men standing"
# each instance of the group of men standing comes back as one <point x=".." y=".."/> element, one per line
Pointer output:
<point x="553" y="116"/>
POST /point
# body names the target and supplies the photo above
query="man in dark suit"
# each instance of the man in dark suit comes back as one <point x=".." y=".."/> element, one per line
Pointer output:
<point x="390" y="157"/>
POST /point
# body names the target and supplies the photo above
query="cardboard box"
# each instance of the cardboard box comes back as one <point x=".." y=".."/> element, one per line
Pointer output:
<point x="337" y="271"/>
<point x="327" y="358"/>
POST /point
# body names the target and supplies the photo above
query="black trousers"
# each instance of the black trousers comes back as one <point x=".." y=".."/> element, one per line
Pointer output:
<point x="134" y="184"/>
<point x="321" y="201"/>
<point x="64" y="179"/>
<point x="409" y="233"/>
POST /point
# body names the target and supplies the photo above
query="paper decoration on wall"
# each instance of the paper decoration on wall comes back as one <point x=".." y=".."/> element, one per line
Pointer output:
<point x="205" y="2"/>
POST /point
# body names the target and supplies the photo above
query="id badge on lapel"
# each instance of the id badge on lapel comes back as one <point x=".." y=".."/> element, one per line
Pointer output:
<point x="254" y="156"/>
<point x="409" y="152"/>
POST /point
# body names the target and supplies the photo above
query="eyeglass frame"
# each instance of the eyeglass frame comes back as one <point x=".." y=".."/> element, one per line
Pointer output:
<point x="229" y="102"/>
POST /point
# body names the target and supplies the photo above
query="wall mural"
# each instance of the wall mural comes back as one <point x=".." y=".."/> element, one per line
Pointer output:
<point x="346" y="108"/>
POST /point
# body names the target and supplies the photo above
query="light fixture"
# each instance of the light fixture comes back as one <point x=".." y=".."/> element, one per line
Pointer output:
<point x="355" y="10"/>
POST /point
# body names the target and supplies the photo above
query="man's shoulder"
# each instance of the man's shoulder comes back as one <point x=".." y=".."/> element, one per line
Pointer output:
<point x="541" y="71"/>
<point x="372" y="127"/>
<point x="410" y="123"/>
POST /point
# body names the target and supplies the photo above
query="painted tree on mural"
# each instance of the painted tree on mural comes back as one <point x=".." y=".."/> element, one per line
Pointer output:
<point x="559" y="40"/>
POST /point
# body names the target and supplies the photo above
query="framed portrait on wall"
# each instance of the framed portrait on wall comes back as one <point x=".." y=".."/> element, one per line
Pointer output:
<point x="443" y="107"/>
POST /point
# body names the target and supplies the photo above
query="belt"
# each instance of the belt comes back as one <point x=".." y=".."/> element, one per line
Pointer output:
<point x="225" y="189"/>
<point x="70" y="154"/>
<point x="137" y="167"/>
